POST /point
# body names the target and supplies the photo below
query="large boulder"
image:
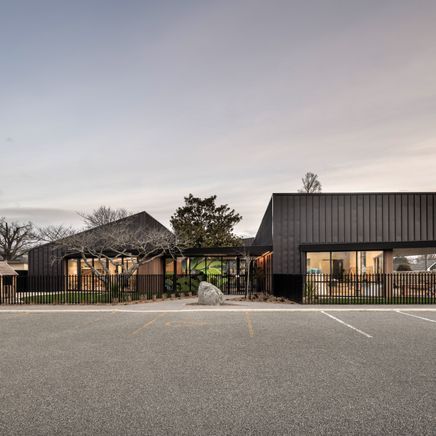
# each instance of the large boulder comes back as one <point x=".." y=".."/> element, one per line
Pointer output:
<point x="209" y="294"/>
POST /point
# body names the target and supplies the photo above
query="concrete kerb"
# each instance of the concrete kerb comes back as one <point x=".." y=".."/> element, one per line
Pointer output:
<point x="240" y="308"/>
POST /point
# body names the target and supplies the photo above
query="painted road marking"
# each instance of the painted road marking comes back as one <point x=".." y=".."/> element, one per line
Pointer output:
<point x="416" y="316"/>
<point x="249" y="324"/>
<point x="186" y="323"/>
<point x="348" y="325"/>
<point x="147" y="324"/>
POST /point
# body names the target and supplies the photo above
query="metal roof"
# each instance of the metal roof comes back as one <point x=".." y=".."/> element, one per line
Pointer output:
<point x="6" y="269"/>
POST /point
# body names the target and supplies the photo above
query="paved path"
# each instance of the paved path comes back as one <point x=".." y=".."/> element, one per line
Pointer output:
<point x="189" y="304"/>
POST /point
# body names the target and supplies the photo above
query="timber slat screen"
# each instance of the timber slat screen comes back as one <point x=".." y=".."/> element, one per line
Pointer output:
<point x="396" y="288"/>
<point x="118" y="288"/>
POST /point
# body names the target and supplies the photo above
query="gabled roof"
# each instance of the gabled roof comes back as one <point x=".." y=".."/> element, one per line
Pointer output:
<point x="140" y="220"/>
<point x="6" y="269"/>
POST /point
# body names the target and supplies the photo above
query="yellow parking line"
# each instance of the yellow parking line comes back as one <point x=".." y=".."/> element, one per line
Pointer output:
<point x="249" y="324"/>
<point x="186" y="323"/>
<point x="147" y="324"/>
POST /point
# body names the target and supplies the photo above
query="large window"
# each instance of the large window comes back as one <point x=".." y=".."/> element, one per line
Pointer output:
<point x="340" y="263"/>
<point x="370" y="262"/>
<point x="197" y="265"/>
<point x="116" y="266"/>
<point x="211" y="265"/>
<point x="343" y="262"/>
<point x="72" y="267"/>
<point x="414" y="259"/>
<point x="318" y="263"/>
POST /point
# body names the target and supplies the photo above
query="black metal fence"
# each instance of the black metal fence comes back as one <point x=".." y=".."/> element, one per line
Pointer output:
<point x="396" y="288"/>
<point x="230" y="284"/>
<point x="116" y="288"/>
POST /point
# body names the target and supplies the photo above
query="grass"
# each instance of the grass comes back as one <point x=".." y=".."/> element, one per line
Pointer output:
<point x="79" y="298"/>
<point x="84" y="297"/>
<point x="371" y="300"/>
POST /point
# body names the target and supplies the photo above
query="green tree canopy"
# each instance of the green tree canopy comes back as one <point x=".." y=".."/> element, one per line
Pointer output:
<point x="201" y="223"/>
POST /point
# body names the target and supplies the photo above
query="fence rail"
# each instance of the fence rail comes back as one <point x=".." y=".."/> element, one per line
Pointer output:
<point x="396" y="288"/>
<point x="91" y="289"/>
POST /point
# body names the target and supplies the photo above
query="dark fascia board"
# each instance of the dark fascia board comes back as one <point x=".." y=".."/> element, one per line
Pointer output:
<point x="211" y="251"/>
<point x="323" y="194"/>
<point x="254" y="250"/>
<point x="366" y="246"/>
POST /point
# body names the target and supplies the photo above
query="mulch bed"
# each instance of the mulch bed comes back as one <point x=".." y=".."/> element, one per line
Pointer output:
<point x="264" y="298"/>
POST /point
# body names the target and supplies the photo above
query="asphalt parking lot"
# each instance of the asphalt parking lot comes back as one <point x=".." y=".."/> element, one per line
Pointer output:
<point x="218" y="373"/>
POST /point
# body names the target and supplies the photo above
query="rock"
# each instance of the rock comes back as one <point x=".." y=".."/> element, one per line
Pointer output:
<point x="209" y="295"/>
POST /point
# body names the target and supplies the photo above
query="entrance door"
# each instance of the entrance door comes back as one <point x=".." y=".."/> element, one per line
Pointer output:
<point x="338" y="268"/>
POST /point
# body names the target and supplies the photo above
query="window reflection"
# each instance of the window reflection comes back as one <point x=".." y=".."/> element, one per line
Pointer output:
<point x="340" y="263"/>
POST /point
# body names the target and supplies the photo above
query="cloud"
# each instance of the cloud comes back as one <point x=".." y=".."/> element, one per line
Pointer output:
<point x="234" y="98"/>
<point x="41" y="216"/>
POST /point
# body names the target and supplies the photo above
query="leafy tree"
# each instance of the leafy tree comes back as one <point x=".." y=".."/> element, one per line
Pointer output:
<point x="311" y="184"/>
<point x="201" y="223"/>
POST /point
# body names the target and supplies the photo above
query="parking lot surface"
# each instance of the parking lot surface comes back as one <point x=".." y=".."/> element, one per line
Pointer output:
<point x="216" y="373"/>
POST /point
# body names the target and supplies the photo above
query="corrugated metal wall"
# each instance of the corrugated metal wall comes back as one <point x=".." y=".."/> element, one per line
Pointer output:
<point x="347" y="218"/>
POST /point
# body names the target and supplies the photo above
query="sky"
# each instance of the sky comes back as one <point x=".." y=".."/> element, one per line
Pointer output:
<point x="136" y="104"/>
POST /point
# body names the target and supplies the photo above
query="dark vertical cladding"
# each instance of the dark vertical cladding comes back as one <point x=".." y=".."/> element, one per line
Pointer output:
<point x="299" y="219"/>
<point x="265" y="232"/>
<point x="42" y="260"/>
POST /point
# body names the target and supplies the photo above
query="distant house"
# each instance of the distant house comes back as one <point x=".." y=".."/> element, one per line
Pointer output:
<point x="8" y="282"/>
<point x="20" y="265"/>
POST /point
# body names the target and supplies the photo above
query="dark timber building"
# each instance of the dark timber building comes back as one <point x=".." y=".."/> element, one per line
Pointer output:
<point x="321" y="234"/>
<point x="41" y="262"/>
<point x="352" y="233"/>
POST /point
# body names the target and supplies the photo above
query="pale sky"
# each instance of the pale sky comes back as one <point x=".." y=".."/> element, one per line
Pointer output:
<point x="135" y="104"/>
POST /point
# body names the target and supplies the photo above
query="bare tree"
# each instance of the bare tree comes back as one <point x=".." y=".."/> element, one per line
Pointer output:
<point x="109" y="243"/>
<point x="16" y="239"/>
<point x="54" y="233"/>
<point x="103" y="215"/>
<point x="311" y="184"/>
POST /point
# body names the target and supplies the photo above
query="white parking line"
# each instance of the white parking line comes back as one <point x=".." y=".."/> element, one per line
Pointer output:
<point x="416" y="316"/>
<point x="348" y="325"/>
